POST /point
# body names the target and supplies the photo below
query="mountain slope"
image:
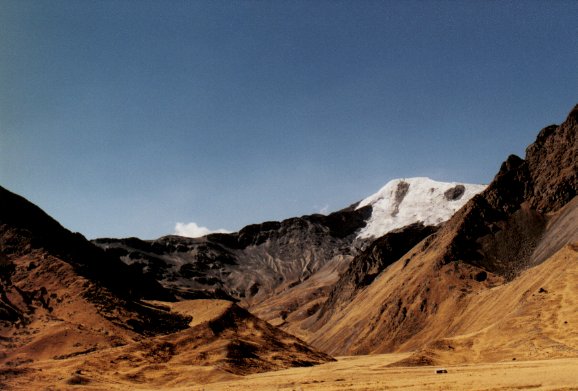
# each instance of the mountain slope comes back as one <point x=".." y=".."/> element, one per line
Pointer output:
<point x="24" y="228"/>
<point x="61" y="295"/>
<point x="47" y="271"/>
<point x="222" y="342"/>
<point x="497" y="235"/>
<point x="533" y="317"/>
<point x="275" y="268"/>
<point x="64" y="301"/>
<point x="251" y="264"/>
<point x="370" y="263"/>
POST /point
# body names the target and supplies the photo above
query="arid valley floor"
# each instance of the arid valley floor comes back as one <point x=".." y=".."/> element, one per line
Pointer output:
<point x="373" y="373"/>
<point x="360" y="373"/>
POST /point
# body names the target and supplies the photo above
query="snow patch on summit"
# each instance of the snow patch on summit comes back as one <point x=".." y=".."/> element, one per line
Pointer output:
<point x="403" y="202"/>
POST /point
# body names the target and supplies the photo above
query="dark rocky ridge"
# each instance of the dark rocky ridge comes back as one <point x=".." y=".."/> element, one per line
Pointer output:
<point x="26" y="232"/>
<point x="249" y="264"/>
<point x="499" y="229"/>
<point x="24" y="228"/>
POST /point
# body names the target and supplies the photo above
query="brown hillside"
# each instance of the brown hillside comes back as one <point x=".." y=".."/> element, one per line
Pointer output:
<point x="223" y="342"/>
<point x="337" y="283"/>
<point x="49" y="312"/>
<point x="66" y="305"/>
<point x="410" y="306"/>
<point x="525" y="215"/>
<point x="24" y="228"/>
<point x="533" y="317"/>
<point x="289" y="307"/>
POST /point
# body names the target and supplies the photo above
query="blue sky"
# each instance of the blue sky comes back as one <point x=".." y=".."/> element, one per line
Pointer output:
<point x="122" y="118"/>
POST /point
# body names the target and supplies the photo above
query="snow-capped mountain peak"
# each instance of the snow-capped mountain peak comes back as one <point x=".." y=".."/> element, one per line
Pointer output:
<point x="410" y="200"/>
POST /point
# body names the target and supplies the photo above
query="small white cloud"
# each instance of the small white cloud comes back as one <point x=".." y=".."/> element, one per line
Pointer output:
<point x="324" y="210"/>
<point x="193" y="230"/>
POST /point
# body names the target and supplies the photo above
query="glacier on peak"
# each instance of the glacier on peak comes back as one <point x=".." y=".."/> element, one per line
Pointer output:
<point x="402" y="202"/>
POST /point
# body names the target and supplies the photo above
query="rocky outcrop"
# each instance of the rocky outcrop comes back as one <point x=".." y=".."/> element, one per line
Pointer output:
<point x="455" y="193"/>
<point x="553" y="165"/>
<point x="500" y="228"/>
<point x="247" y="265"/>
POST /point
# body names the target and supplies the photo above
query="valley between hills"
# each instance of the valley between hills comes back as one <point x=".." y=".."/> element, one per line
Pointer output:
<point x="422" y="275"/>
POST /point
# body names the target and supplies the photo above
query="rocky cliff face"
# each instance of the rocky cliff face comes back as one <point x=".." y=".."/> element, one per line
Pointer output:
<point x="553" y="165"/>
<point x="248" y="265"/>
<point x="500" y="228"/>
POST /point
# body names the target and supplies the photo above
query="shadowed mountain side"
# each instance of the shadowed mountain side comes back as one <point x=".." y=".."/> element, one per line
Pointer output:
<point x="24" y="227"/>
<point x="505" y="223"/>
<point x="249" y="265"/>
<point x="60" y="294"/>
<point x="284" y="270"/>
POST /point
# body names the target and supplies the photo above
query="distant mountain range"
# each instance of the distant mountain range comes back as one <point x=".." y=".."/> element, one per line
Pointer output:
<point x="263" y="259"/>
<point x="454" y="273"/>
